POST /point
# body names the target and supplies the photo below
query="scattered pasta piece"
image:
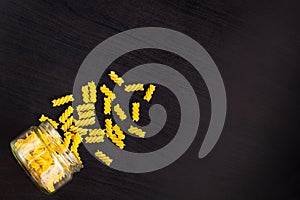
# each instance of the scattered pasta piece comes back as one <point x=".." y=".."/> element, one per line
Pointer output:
<point x="110" y="135"/>
<point x="66" y="114"/>
<point x="117" y="141"/>
<point x="76" y="138"/>
<point x="107" y="105"/>
<point x="79" y="130"/>
<point x="103" y="157"/>
<point x="108" y="127"/>
<point x="120" y="112"/>
<point x="85" y="122"/>
<point x="82" y="131"/>
<point x="63" y="100"/>
<point x="85" y="107"/>
<point x="51" y="121"/>
<point x="93" y="91"/>
<point x="149" y="92"/>
<point x="135" y="111"/>
<point x="105" y="90"/>
<point x="86" y="114"/>
<point x="67" y="124"/>
<point x="67" y="139"/>
<point x="73" y="129"/>
<point x="85" y="94"/>
<point x="96" y="132"/>
<point x="136" y="131"/>
<point x="94" y="139"/>
<point x="134" y="87"/>
<point x="115" y="78"/>
<point x="119" y="132"/>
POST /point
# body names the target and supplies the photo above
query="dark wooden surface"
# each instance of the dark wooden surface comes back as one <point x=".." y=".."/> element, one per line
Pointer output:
<point x="255" y="44"/>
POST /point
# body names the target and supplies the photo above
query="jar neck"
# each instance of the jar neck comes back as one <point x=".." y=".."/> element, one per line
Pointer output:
<point x="53" y="142"/>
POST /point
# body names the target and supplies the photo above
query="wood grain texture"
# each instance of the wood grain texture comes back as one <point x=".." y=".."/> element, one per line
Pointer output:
<point x="255" y="44"/>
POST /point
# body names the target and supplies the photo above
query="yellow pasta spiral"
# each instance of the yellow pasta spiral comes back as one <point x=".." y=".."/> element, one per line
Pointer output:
<point x="51" y="121"/>
<point x="134" y="87"/>
<point x="80" y="131"/>
<point x="28" y="143"/>
<point x="67" y="139"/>
<point x="117" y="141"/>
<point x="85" y="94"/>
<point x="85" y="122"/>
<point x="120" y="112"/>
<point x="135" y="111"/>
<point x="105" y="90"/>
<point x="108" y="127"/>
<point x="66" y="114"/>
<point x="96" y="132"/>
<point x="107" y="105"/>
<point x="115" y="78"/>
<point x="86" y="114"/>
<point x="67" y="124"/>
<point x="84" y="107"/>
<point x="93" y="91"/>
<point x="39" y="159"/>
<point x="94" y="139"/>
<point x="136" y="131"/>
<point x="103" y="157"/>
<point x="119" y="132"/>
<point x="76" y="141"/>
<point x="113" y="137"/>
<point x="63" y="100"/>
<point x="149" y="92"/>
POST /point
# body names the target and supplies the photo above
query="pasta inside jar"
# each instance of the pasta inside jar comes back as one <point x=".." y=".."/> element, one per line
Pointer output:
<point x="41" y="153"/>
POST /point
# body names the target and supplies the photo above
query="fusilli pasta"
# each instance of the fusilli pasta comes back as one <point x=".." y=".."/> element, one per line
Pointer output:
<point x="107" y="105"/>
<point x="120" y="112"/>
<point x="114" y="77"/>
<point x="51" y="121"/>
<point x="63" y="100"/>
<point x="86" y="114"/>
<point x="76" y="141"/>
<point x="85" y="122"/>
<point x="149" y="92"/>
<point x="96" y="132"/>
<point x="108" y="127"/>
<point x="94" y="139"/>
<point x="85" y="94"/>
<point x="134" y="87"/>
<point x="118" y="132"/>
<point x="93" y="91"/>
<point x="105" y="90"/>
<point x="103" y="157"/>
<point x="85" y="107"/>
<point x="135" y="111"/>
<point x="67" y="124"/>
<point x="136" y="131"/>
<point x="66" y="114"/>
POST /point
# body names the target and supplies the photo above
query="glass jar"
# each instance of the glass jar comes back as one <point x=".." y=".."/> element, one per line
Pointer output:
<point x="41" y="153"/>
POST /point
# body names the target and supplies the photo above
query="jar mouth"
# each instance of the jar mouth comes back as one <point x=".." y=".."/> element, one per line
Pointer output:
<point x="54" y="133"/>
<point x="64" y="155"/>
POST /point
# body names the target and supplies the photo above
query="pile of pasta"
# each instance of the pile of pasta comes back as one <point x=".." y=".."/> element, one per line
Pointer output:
<point x="113" y="131"/>
<point x="47" y="170"/>
<point x="75" y="130"/>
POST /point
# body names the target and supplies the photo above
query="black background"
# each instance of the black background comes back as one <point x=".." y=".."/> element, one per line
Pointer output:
<point x="255" y="45"/>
